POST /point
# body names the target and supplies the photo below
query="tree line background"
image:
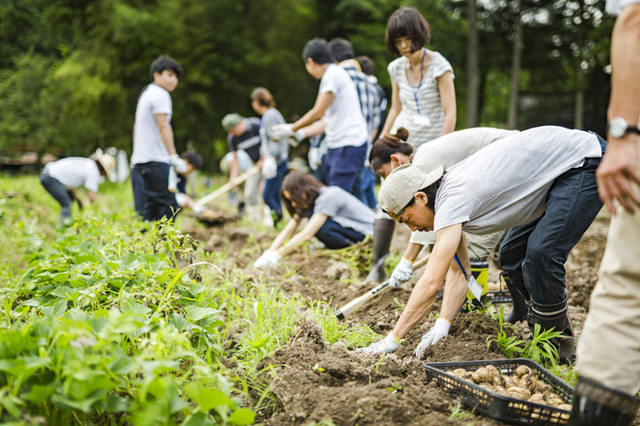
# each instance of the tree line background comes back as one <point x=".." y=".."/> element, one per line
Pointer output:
<point x="71" y="70"/>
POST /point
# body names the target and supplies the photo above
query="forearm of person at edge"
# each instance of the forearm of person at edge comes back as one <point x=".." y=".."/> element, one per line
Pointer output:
<point x="313" y="225"/>
<point x="317" y="128"/>
<point x="93" y="196"/>
<point x="316" y="113"/>
<point x="412" y="251"/>
<point x="618" y="168"/>
<point x="286" y="233"/>
<point x="424" y="293"/>
<point x="166" y="132"/>
<point x="396" y="107"/>
<point x="448" y="101"/>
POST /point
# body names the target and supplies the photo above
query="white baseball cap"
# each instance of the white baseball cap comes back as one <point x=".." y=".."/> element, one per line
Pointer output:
<point x="403" y="182"/>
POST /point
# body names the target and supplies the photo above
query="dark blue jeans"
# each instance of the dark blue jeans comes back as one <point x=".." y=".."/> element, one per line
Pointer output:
<point x="368" y="187"/>
<point x="341" y="167"/>
<point x="151" y="196"/>
<point x="533" y="255"/>
<point x="334" y="236"/>
<point x="271" y="193"/>
<point x="58" y="192"/>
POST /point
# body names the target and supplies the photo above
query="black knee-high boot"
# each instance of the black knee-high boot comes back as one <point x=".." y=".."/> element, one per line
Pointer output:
<point x="520" y="302"/>
<point x="382" y="234"/>
<point x="595" y="404"/>
<point x="555" y="316"/>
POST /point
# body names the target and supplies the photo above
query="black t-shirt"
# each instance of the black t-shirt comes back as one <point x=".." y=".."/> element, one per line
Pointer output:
<point x="249" y="141"/>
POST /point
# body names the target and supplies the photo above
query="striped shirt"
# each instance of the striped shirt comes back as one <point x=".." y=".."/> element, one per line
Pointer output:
<point x="428" y="102"/>
<point x="368" y="94"/>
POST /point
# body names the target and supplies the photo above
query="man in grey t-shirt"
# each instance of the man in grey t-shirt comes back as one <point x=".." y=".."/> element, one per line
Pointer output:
<point x="540" y="183"/>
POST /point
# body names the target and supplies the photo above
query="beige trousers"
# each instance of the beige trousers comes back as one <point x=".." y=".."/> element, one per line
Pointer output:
<point x="609" y="346"/>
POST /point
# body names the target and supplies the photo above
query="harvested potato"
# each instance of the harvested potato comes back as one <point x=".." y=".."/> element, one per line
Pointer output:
<point x="510" y="382"/>
<point x="519" y="393"/>
<point x="492" y="370"/>
<point x="537" y="398"/>
<point x="544" y="387"/>
<point x="458" y="372"/>
<point x="529" y="381"/>
<point x="501" y="390"/>
<point x="498" y="380"/>
<point x="467" y="376"/>
<point x="566" y="407"/>
<point x="482" y="375"/>
<point x="522" y="370"/>
<point x="553" y="399"/>
<point x="487" y="386"/>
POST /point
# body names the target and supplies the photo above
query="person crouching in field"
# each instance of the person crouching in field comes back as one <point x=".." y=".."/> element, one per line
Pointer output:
<point x="546" y="196"/>
<point x="61" y="178"/>
<point x="338" y="219"/>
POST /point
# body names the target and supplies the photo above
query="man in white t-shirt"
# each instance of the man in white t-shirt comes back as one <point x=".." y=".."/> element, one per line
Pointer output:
<point x="61" y="178"/>
<point x="337" y="113"/>
<point x="154" y="151"/>
<point x="540" y="184"/>
<point x="608" y="365"/>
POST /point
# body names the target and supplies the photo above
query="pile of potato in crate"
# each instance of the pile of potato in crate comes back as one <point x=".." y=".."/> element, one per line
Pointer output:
<point x="517" y="390"/>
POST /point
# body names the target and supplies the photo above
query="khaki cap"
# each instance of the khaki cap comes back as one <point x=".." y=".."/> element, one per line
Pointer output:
<point x="398" y="188"/>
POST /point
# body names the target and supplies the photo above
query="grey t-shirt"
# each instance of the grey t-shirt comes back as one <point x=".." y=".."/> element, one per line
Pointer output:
<point x="280" y="149"/>
<point x="454" y="147"/>
<point x="506" y="184"/>
<point x="345" y="209"/>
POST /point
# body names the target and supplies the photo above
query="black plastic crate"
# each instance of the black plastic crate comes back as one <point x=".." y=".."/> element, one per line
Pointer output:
<point x="502" y="407"/>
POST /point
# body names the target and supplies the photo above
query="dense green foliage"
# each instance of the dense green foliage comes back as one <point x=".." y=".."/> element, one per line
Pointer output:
<point x="112" y="320"/>
<point x="71" y="71"/>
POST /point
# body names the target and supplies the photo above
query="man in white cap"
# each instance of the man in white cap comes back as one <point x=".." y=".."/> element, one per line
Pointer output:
<point x="61" y="178"/>
<point x="540" y="184"/>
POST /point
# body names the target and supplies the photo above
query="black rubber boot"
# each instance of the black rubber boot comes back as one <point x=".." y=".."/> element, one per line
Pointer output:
<point x="520" y="302"/>
<point x="595" y="405"/>
<point x="382" y="234"/>
<point x="240" y="213"/>
<point x="556" y="317"/>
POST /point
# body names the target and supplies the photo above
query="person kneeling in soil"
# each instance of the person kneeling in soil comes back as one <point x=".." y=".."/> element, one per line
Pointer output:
<point x="61" y="178"/>
<point x="338" y="219"/>
<point x="540" y="184"/>
<point x="392" y="151"/>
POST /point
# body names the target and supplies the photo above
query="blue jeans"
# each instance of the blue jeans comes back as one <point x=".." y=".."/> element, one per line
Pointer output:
<point x="271" y="193"/>
<point x="151" y="196"/>
<point x="341" y="167"/>
<point x="368" y="187"/>
<point x="335" y="236"/>
<point x="533" y="255"/>
<point x="58" y="192"/>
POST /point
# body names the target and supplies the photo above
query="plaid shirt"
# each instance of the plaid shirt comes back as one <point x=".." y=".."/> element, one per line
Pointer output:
<point x="368" y="95"/>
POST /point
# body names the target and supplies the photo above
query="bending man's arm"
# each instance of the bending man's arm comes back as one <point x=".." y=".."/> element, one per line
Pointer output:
<point x="424" y="293"/>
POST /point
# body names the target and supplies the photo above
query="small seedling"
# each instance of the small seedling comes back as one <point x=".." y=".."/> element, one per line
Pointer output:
<point x="457" y="412"/>
<point x="394" y="388"/>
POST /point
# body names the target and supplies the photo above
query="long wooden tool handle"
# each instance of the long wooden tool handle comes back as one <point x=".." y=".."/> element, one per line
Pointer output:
<point x="227" y="186"/>
<point x="357" y="303"/>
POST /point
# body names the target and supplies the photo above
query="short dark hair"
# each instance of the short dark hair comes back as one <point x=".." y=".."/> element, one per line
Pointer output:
<point x="165" y="62"/>
<point x="341" y="49"/>
<point x="194" y="159"/>
<point x="383" y="148"/>
<point x="263" y="96"/>
<point x="407" y="22"/>
<point x="430" y="191"/>
<point x="366" y="64"/>
<point x="318" y="50"/>
<point x="303" y="189"/>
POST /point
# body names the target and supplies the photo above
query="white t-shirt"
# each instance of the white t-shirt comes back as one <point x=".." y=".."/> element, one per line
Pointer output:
<point x="344" y="124"/>
<point x="423" y="118"/>
<point x="506" y="184"/>
<point x="147" y="142"/>
<point x="454" y="147"/>
<point x="615" y="7"/>
<point x="74" y="172"/>
<point x="344" y="209"/>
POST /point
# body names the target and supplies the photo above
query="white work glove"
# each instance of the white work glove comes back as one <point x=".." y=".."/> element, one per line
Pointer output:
<point x="178" y="163"/>
<point x="401" y="273"/>
<point x="198" y="209"/>
<point x="268" y="258"/>
<point x="269" y="167"/>
<point x="386" y="345"/>
<point x="173" y="180"/>
<point x="314" y="158"/>
<point x="283" y="131"/>
<point x="437" y="332"/>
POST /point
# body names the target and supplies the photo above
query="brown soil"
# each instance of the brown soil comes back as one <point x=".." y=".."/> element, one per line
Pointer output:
<point x="314" y="382"/>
